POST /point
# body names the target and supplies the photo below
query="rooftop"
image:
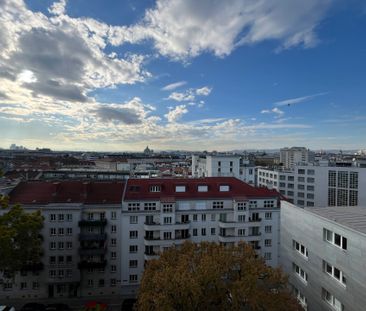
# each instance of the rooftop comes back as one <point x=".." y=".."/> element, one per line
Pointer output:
<point x="45" y="192"/>
<point x="353" y="217"/>
<point x="141" y="189"/>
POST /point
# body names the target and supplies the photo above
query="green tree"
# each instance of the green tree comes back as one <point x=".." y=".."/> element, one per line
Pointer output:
<point x="210" y="276"/>
<point x="20" y="239"/>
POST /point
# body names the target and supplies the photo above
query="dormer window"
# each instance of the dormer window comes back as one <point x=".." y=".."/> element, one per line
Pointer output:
<point x="224" y="188"/>
<point x="134" y="188"/>
<point x="180" y="188"/>
<point x="155" y="188"/>
<point x="203" y="188"/>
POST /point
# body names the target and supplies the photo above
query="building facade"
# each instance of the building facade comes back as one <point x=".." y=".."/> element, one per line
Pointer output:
<point x="289" y="157"/>
<point x="159" y="213"/>
<point x="80" y="250"/>
<point x="317" y="185"/>
<point x="324" y="256"/>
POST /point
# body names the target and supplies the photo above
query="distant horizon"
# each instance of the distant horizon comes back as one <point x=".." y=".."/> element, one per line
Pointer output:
<point x="183" y="74"/>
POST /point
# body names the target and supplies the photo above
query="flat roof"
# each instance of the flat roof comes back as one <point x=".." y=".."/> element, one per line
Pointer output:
<point x="353" y="217"/>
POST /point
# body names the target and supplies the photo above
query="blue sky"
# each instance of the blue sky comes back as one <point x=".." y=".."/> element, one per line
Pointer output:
<point x="184" y="74"/>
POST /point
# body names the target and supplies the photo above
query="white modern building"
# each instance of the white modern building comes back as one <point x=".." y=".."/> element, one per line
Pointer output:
<point x="81" y="249"/>
<point x="159" y="213"/>
<point x="318" y="185"/>
<point x="323" y="252"/>
<point x="223" y="166"/>
<point x="289" y="157"/>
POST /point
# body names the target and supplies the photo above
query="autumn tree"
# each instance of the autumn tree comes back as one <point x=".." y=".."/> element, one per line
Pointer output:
<point x="210" y="276"/>
<point x="20" y="239"/>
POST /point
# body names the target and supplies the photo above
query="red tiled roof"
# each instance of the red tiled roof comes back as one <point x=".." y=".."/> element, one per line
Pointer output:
<point x="41" y="192"/>
<point x="139" y="189"/>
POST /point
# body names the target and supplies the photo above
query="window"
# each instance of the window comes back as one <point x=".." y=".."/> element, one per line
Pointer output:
<point x="300" y="272"/>
<point x="310" y="188"/>
<point x="241" y="232"/>
<point x="301" y="171"/>
<point x="52" y="231"/>
<point x="203" y="231"/>
<point x="90" y="283"/>
<point x="268" y="215"/>
<point x="310" y="180"/>
<point x="309" y="203"/>
<point x="113" y="215"/>
<point x="290" y="193"/>
<point x="300" y="202"/>
<point x="23" y="285"/>
<point x="61" y="260"/>
<point x="195" y="217"/>
<point x="194" y="232"/>
<point x="113" y="282"/>
<point x="353" y="180"/>
<point x="180" y="188"/>
<point x="61" y="273"/>
<point x="332" y="175"/>
<point x="68" y="259"/>
<point x="133" y="278"/>
<point x="290" y="178"/>
<point x="150" y="206"/>
<point x="113" y="242"/>
<point x="267" y="256"/>
<point x="113" y="255"/>
<point x="134" y="219"/>
<point x="282" y="184"/>
<point x="242" y="206"/>
<point x="8" y="286"/>
<point x="167" y="220"/>
<point x="353" y="197"/>
<point x="268" y="243"/>
<point x="217" y="204"/>
<point x="241" y="218"/>
<point x="113" y="228"/>
<point x="52" y="217"/>
<point x="310" y="196"/>
<point x="133" y="248"/>
<point x="203" y="217"/>
<point x="290" y="186"/>
<point x="300" y="248"/>
<point x="331" y="196"/>
<point x="334" y="272"/>
<point x="69" y="245"/>
<point x="69" y="231"/>
<point x="167" y="235"/>
<point x="60" y="245"/>
<point x="61" y="217"/>
<point x="301" y="298"/>
<point x="167" y="208"/>
<point x="213" y="217"/>
<point x="134" y="234"/>
<point x="268" y="203"/>
<point x="113" y="268"/>
<point x="335" y="239"/>
<point x="301" y="194"/>
<point x="213" y="231"/>
<point x="224" y="188"/>
<point x="69" y="217"/>
<point x="133" y="206"/>
<point x="330" y="299"/>
<point x="155" y="188"/>
<point x="268" y="229"/>
<point x="133" y="263"/>
<point x="202" y="188"/>
<point x="52" y="260"/>
<point x="301" y="179"/>
<point x="101" y="283"/>
<point x="343" y="179"/>
<point x="52" y="273"/>
<point x="61" y="231"/>
<point x="52" y="245"/>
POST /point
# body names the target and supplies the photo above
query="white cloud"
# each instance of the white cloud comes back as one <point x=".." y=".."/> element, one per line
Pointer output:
<point x="182" y="29"/>
<point x="175" y="114"/>
<point x="279" y="113"/>
<point x="58" y="8"/>
<point x="297" y="100"/>
<point x="173" y="86"/>
<point x="204" y="91"/>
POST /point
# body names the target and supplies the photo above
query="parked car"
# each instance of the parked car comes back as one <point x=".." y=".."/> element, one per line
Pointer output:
<point x="58" y="307"/>
<point x="7" y="308"/>
<point x="33" y="306"/>
<point x="128" y="304"/>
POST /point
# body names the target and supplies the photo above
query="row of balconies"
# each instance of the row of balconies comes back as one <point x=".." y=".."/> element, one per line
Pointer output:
<point x="92" y="222"/>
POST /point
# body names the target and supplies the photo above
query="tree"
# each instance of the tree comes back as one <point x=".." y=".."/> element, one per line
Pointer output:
<point x="210" y="276"/>
<point x="20" y="239"/>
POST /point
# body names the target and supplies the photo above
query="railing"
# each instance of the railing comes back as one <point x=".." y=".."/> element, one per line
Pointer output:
<point x="92" y="236"/>
<point x="92" y="251"/>
<point x="149" y="238"/>
<point x="92" y="264"/>
<point x="255" y="234"/>
<point x="89" y="222"/>
<point x="255" y="220"/>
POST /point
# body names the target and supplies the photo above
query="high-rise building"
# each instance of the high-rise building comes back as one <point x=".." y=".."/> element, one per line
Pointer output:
<point x="294" y="155"/>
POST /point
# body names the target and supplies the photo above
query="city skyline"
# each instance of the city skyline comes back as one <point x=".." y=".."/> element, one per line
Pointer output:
<point x="182" y="75"/>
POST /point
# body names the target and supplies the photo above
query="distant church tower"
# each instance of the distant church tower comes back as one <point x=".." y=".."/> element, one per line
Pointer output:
<point x="147" y="151"/>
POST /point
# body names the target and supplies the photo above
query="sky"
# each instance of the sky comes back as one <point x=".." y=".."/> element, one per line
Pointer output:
<point x="116" y="75"/>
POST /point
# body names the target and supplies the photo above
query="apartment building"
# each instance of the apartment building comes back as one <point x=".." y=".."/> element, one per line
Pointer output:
<point x="223" y="166"/>
<point x="159" y="213"/>
<point x="324" y="256"/>
<point x="317" y="185"/>
<point x="289" y="157"/>
<point x="81" y="255"/>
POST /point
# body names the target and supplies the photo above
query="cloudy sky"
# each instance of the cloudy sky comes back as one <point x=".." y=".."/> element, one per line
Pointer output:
<point x="182" y="74"/>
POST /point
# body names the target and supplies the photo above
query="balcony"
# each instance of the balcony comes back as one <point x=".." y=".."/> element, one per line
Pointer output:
<point x="99" y="222"/>
<point x="152" y="241"/>
<point x="227" y="224"/>
<point x="92" y="251"/>
<point x="92" y="264"/>
<point x="256" y="221"/>
<point x="33" y="266"/>
<point x="151" y="255"/>
<point x="92" y="236"/>
<point x="229" y="238"/>
<point x="152" y="226"/>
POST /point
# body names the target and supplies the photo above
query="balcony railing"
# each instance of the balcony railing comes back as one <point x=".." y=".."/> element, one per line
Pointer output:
<point x="33" y="266"/>
<point x="89" y="222"/>
<point x="151" y="238"/>
<point x="255" y="234"/>
<point x="255" y="220"/>
<point x="92" y="251"/>
<point x="182" y="237"/>
<point x="92" y="236"/>
<point x="92" y="264"/>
